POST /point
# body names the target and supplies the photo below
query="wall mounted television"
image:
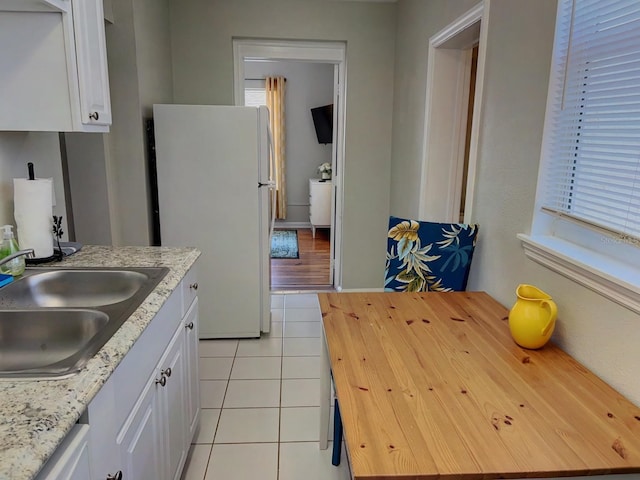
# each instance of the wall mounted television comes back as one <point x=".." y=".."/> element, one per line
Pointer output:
<point x="323" y="122"/>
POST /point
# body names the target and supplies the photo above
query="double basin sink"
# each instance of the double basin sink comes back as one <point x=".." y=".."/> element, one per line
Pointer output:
<point x="53" y="321"/>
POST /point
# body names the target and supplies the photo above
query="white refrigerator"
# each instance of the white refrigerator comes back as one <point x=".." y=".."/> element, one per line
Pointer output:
<point x="213" y="171"/>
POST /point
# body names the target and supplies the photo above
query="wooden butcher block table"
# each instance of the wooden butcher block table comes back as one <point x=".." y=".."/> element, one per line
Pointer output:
<point x="431" y="385"/>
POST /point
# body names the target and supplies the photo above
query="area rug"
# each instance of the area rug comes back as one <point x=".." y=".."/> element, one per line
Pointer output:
<point x="284" y="244"/>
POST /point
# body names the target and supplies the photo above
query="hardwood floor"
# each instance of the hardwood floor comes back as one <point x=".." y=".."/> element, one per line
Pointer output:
<point x="311" y="270"/>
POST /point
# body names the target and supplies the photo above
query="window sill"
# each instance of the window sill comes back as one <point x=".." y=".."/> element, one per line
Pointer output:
<point x="613" y="279"/>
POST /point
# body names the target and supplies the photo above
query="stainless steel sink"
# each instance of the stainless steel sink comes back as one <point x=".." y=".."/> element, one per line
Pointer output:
<point x="52" y="321"/>
<point x="73" y="288"/>
<point x="52" y="340"/>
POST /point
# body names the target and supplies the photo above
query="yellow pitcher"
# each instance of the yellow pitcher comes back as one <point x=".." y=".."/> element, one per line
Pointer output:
<point x="533" y="317"/>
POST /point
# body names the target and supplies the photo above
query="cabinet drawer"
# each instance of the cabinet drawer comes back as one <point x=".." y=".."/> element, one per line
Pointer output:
<point x="189" y="289"/>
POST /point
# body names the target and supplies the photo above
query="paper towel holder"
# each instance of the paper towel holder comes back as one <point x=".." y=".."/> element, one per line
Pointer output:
<point x="58" y="253"/>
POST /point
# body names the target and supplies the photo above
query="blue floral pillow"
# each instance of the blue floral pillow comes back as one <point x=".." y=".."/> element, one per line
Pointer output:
<point x="427" y="256"/>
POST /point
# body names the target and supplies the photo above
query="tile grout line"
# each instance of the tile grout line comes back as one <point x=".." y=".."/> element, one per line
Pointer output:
<point x="284" y="316"/>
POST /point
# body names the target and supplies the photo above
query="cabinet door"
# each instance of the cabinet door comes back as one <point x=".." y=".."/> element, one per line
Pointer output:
<point x="91" y="57"/>
<point x="104" y="451"/>
<point x="140" y="438"/>
<point x="193" y="376"/>
<point x="174" y="405"/>
<point x="71" y="460"/>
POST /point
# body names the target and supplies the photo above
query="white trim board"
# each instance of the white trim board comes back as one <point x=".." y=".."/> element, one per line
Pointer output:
<point x="447" y="92"/>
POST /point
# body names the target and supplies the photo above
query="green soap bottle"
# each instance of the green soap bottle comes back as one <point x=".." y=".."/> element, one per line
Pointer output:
<point x="9" y="245"/>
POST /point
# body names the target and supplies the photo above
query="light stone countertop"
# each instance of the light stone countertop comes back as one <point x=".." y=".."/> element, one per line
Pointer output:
<point x="36" y="415"/>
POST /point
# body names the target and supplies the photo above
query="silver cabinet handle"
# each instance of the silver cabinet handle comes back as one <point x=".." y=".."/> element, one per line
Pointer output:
<point x="116" y="476"/>
<point x="189" y="326"/>
<point x="162" y="381"/>
<point x="166" y="372"/>
<point x="194" y="286"/>
<point x="95" y="116"/>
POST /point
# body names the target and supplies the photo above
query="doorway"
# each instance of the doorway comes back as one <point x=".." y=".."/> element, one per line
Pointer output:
<point x="453" y="101"/>
<point x="318" y="264"/>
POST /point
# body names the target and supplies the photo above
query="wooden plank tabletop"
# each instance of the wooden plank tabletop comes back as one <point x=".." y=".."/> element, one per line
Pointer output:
<point x="432" y="385"/>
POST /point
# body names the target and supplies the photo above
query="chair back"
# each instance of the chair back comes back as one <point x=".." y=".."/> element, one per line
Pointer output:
<point x="428" y="256"/>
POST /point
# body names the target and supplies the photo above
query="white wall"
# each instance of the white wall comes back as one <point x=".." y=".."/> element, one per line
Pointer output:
<point x="86" y="166"/>
<point x="418" y="20"/>
<point x="16" y="150"/>
<point x="308" y="85"/>
<point x="201" y="35"/>
<point x="597" y="332"/>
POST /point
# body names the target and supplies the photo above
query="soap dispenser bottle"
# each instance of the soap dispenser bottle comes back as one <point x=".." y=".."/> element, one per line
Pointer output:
<point x="9" y="245"/>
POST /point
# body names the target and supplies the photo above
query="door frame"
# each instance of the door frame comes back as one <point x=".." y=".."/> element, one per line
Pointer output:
<point x="446" y="106"/>
<point x="317" y="52"/>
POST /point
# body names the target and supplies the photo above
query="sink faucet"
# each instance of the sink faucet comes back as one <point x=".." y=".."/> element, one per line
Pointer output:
<point x="29" y="253"/>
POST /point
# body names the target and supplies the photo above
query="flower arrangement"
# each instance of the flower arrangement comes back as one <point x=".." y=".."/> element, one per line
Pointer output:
<point x="325" y="170"/>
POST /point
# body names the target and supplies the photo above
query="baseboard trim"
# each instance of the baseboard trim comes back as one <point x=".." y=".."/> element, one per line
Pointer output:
<point x="286" y="224"/>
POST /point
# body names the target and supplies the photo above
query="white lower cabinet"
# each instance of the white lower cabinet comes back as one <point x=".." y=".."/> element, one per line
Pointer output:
<point x="174" y="405"/>
<point x="71" y="460"/>
<point x="153" y="439"/>
<point x="193" y="376"/>
<point x="143" y="419"/>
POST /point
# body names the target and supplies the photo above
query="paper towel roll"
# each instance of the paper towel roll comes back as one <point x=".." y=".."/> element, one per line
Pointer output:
<point x="33" y="212"/>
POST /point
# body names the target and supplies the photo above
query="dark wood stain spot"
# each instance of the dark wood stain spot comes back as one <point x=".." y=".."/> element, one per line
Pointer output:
<point x="466" y="351"/>
<point x="505" y="318"/>
<point x="618" y="447"/>
<point x="362" y="445"/>
<point x="463" y="391"/>
<point x="456" y="319"/>
<point x="333" y="306"/>
<point x="388" y="390"/>
<point x="368" y="304"/>
<point x="324" y="314"/>
<point x="409" y="322"/>
<point x="353" y="315"/>
<point x="339" y="359"/>
<point x="390" y="317"/>
<point x="637" y="417"/>
<point x="507" y="422"/>
<point x="364" y="359"/>
<point x="424" y="320"/>
<point x="610" y="415"/>
<point x="431" y="389"/>
<point x="495" y="425"/>
<point x="391" y="447"/>
<point x="508" y="417"/>
<point x="526" y="360"/>
<point x="363" y="389"/>
<point x="522" y="405"/>
<point x="392" y="307"/>
<point x="411" y="395"/>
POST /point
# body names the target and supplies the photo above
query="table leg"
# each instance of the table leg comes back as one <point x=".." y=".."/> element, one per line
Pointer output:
<point x="325" y="393"/>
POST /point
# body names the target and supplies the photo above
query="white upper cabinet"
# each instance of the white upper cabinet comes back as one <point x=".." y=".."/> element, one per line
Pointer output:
<point x="35" y="5"/>
<point x="53" y="61"/>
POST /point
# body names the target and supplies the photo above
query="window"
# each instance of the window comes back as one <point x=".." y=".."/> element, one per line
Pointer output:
<point x="587" y="217"/>
<point x="255" y="96"/>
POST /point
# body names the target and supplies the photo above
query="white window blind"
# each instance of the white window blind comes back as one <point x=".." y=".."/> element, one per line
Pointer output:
<point x="593" y="154"/>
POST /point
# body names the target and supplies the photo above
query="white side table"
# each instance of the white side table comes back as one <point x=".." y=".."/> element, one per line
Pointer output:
<point x="319" y="203"/>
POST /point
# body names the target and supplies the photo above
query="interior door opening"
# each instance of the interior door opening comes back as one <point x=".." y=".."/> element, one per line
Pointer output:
<point x="453" y="101"/>
<point x="316" y="265"/>
<point x="467" y="137"/>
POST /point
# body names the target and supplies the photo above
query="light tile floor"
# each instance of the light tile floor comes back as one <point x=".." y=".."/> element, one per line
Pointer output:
<point x="260" y="402"/>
